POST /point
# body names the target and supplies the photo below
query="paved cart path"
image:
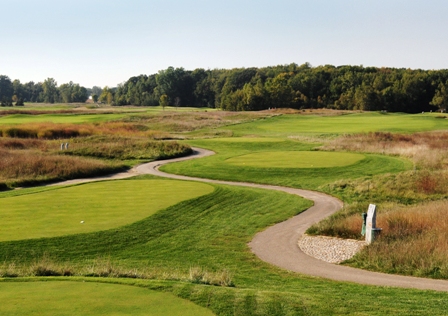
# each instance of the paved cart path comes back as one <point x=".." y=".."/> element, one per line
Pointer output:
<point x="277" y="244"/>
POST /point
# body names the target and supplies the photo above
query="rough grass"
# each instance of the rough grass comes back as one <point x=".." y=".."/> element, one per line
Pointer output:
<point x="126" y="148"/>
<point x="414" y="241"/>
<point x="26" y="167"/>
<point x="428" y="150"/>
<point x="25" y="161"/>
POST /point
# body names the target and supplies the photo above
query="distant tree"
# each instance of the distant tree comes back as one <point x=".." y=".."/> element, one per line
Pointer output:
<point x="6" y="91"/>
<point x="440" y="98"/>
<point x="96" y="90"/>
<point x="95" y="98"/>
<point x="163" y="101"/>
<point x="20" y="102"/>
<point x="106" y="95"/>
<point x="50" y="91"/>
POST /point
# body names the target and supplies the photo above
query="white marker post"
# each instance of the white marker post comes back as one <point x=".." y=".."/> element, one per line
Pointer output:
<point x="371" y="224"/>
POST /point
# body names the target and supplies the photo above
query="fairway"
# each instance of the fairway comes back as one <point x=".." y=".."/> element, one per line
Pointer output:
<point x="88" y="298"/>
<point x="287" y="125"/>
<point x="100" y="206"/>
<point x="296" y="159"/>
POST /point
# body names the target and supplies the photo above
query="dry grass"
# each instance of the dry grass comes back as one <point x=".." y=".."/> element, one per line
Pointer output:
<point x="64" y="131"/>
<point x="428" y="150"/>
<point x="414" y="241"/>
<point x="181" y="122"/>
<point x="125" y="148"/>
<point x="105" y="268"/>
<point x="26" y="167"/>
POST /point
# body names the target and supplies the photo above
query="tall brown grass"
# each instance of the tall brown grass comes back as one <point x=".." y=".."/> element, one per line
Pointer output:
<point x="126" y="148"/>
<point x="414" y="241"/>
<point x="27" y="167"/>
<point x="428" y="150"/>
<point x="106" y="268"/>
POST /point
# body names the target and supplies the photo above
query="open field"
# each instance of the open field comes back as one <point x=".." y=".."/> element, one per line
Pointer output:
<point x="188" y="246"/>
<point x="288" y="125"/>
<point x="88" y="298"/>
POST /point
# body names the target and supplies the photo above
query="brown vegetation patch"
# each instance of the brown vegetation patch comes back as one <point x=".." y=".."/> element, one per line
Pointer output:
<point x="30" y="166"/>
<point x="414" y="241"/>
<point x="427" y="150"/>
<point x="180" y="122"/>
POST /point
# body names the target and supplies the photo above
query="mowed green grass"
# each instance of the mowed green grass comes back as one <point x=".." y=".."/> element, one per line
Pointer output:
<point x="264" y="166"/>
<point x="212" y="232"/>
<point x="287" y="125"/>
<point x="88" y="298"/>
<point x="100" y="205"/>
<point x="296" y="159"/>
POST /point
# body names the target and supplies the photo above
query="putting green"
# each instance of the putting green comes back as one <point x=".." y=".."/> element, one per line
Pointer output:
<point x="296" y="159"/>
<point x="88" y="298"/>
<point x="91" y="207"/>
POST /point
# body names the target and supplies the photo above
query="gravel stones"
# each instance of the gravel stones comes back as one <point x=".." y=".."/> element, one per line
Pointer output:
<point x="329" y="249"/>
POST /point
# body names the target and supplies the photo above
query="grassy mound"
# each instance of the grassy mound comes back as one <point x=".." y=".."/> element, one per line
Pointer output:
<point x="91" y="207"/>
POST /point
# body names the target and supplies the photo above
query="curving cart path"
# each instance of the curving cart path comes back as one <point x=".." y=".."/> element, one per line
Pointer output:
<point x="277" y="244"/>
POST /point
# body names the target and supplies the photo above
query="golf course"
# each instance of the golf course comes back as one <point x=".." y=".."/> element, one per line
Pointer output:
<point x="165" y="211"/>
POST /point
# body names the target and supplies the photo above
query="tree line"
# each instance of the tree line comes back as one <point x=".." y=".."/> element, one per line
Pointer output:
<point x="16" y="93"/>
<point x="243" y="89"/>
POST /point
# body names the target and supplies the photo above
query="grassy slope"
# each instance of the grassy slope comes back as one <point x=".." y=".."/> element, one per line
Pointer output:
<point x="101" y="205"/>
<point x="87" y="298"/>
<point x="213" y="232"/>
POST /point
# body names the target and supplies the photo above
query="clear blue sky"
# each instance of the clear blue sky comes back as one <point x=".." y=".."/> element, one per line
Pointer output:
<point x="104" y="42"/>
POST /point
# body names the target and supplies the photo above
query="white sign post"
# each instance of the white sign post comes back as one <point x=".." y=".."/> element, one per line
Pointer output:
<point x="371" y="224"/>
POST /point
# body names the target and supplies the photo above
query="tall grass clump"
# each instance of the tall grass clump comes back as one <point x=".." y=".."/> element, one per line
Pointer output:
<point x="427" y="149"/>
<point x="27" y="167"/>
<point x="414" y="241"/>
<point x="113" y="147"/>
<point x="105" y="267"/>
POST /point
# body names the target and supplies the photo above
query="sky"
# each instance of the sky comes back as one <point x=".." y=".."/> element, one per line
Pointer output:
<point x="105" y="42"/>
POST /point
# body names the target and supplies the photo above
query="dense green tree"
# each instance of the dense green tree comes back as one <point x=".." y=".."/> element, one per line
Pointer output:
<point x="50" y="91"/>
<point x="440" y="99"/>
<point x="6" y="91"/>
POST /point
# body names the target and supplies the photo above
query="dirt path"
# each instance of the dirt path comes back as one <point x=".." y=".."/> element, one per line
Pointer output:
<point x="277" y="244"/>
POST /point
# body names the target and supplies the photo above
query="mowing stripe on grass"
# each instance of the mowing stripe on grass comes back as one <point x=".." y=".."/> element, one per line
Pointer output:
<point x="91" y="207"/>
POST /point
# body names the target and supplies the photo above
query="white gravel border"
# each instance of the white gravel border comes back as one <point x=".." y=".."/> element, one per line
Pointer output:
<point x="330" y="249"/>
